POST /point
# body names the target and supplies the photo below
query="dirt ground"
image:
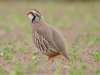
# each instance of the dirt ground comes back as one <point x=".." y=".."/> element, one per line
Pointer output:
<point x="79" y="23"/>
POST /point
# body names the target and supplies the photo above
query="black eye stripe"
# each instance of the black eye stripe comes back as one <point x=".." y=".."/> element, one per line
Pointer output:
<point x="33" y="18"/>
<point x="32" y="13"/>
<point x="36" y="17"/>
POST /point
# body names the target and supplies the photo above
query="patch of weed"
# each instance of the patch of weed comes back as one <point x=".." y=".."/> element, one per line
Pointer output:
<point x="77" y="70"/>
<point x="57" y="71"/>
<point x="8" y="57"/>
<point x="75" y="53"/>
<point x="34" y="65"/>
<point x="96" y="54"/>
<point x="17" y="72"/>
<point x="96" y="72"/>
<point x="2" y="70"/>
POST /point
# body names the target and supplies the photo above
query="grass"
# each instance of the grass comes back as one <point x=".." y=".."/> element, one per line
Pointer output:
<point x="77" y="70"/>
<point x="8" y="57"/>
<point x="75" y="53"/>
<point x="92" y="40"/>
<point x="33" y="66"/>
<point x="96" y="55"/>
<point x="2" y="70"/>
<point x="79" y="22"/>
<point x="57" y="71"/>
<point x="96" y="72"/>
<point x="18" y="72"/>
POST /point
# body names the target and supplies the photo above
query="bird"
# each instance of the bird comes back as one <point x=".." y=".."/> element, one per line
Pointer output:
<point x="47" y="38"/>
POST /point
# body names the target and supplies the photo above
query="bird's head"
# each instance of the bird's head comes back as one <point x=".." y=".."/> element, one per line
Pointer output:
<point x="34" y="15"/>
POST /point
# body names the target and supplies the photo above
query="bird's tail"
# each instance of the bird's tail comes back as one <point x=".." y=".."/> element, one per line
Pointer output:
<point x="66" y="55"/>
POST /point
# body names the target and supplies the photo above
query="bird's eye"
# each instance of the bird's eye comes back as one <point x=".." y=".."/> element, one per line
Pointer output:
<point x="38" y="15"/>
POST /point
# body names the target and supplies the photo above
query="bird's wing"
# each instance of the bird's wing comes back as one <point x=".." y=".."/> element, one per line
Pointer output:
<point x="47" y="34"/>
<point x="59" y="39"/>
<point x="60" y="43"/>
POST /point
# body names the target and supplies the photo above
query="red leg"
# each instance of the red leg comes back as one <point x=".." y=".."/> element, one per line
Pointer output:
<point x="51" y="58"/>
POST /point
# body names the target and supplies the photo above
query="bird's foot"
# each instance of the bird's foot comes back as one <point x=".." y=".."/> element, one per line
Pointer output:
<point x="51" y="59"/>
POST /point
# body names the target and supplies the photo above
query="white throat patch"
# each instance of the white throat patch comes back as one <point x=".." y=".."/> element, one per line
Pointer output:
<point x="30" y="16"/>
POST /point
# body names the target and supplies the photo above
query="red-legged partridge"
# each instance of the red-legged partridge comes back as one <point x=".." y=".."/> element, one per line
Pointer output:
<point x="46" y="38"/>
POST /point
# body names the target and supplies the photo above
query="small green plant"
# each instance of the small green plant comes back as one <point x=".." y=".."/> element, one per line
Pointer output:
<point x="19" y="65"/>
<point x="8" y="57"/>
<point x="9" y="49"/>
<point x="17" y="72"/>
<point x="96" y="72"/>
<point x="96" y="54"/>
<point x="1" y="70"/>
<point x="75" y="53"/>
<point x="77" y="70"/>
<point x="35" y="64"/>
<point x="57" y="71"/>
<point x="22" y="49"/>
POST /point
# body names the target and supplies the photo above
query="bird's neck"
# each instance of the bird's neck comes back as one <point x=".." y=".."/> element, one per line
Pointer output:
<point x="39" y="23"/>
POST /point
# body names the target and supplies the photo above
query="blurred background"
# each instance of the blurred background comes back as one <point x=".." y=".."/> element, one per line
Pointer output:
<point x="79" y="22"/>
